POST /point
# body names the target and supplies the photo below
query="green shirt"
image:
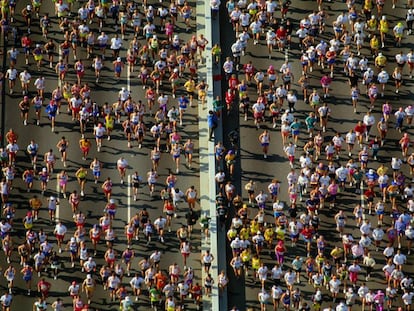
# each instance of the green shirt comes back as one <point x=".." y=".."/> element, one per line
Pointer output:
<point x="154" y="294"/>
<point x="216" y="51"/>
<point x="217" y="105"/>
<point x="204" y="222"/>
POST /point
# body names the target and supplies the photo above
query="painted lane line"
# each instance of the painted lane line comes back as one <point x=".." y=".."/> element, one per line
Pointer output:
<point x="129" y="198"/>
<point x="57" y="213"/>
<point x="129" y="75"/>
<point x="60" y="56"/>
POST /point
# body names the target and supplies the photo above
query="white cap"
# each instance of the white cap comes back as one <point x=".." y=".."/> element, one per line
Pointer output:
<point x="28" y="7"/>
<point x="332" y="49"/>
<point x="118" y="59"/>
<point x="88" y="276"/>
<point x="112" y="201"/>
<point x="72" y="239"/>
<point x="383" y="17"/>
<point x="127" y="298"/>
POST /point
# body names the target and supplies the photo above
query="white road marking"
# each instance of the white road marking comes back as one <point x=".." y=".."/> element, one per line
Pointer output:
<point x="129" y="198"/>
<point x="60" y="56"/>
<point x="128" y="76"/>
<point x="362" y="195"/>
<point x="58" y="197"/>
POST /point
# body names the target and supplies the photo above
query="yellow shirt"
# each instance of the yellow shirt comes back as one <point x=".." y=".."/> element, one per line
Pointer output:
<point x="246" y="256"/>
<point x="383" y="26"/>
<point x="216" y="50"/>
<point x="244" y="233"/>
<point x="368" y="5"/>
<point x="84" y="143"/>
<point x="35" y="203"/>
<point x="382" y="170"/>
<point x="380" y="60"/>
<point x="82" y="174"/>
<point x="372" y="24"/>
<point x="254" y="227"/>
<point x="374" y="43"/>
<point x="189" y="86"/>
<point x="280" y="234"/>
<point x="232" y="233"/>
<point x="109" y="122"/>
<point x="255" y="263"/>
<point x="269" y="233"/>
<point x="337" y="252"/>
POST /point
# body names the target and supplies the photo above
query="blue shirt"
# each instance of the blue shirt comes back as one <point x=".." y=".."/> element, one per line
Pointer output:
<point x="212" y="120"/>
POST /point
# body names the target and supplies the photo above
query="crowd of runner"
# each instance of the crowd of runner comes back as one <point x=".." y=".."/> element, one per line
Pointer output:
<point x="323" y="163"/>
<point x="144" y="41"/>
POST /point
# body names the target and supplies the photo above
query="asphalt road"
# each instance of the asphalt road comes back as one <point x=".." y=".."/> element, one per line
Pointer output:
<point x="93" y="203"/>
<point x="251" y="165"/>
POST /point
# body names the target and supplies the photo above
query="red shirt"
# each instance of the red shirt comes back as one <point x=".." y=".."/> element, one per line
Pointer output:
<point x="248" y="68"/>
<point x="307" y="233"/>
<point x="229" y="97"/>
<point x="26" y="42"/>
<point x="281" y="33"/>
<point x="330" y="54"/>
<point x="196" y="291"/>
<point x="233" y="82"/>
<point x="43" y="286"/>
<point x="360" y="128"/>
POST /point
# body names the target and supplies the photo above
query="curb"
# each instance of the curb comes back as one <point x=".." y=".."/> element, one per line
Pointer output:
<point x="211" y="30"/>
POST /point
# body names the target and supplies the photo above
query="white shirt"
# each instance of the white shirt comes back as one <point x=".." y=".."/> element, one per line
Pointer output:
<point x="383" y="77"/>
<point x="407" y="298"/>
<point x="116" y="43"/>
<point x="365" y="228"/>
<point x="228" y="66"/>
<point x="103" y="39"/>
<point x="276" y="292"/>
<point x="160" y="222"/>
<point x="399" y="259"/>
<point x="122" y="163"/>
<point x="271" y="6"/>
<point x="378" y="234"/>
<point x="350" y="138"/>
<point x="39" y="83"/>
<point x="60" y="229"/>
<point x="123" y="94"/>
<point x="334" y="285"/>
<point x="99" y="131"/>
<point x="290" y="277"/>
<point x="342" y="172"/>
<point x="12" y="73"/>
<point x="369" y="120"/>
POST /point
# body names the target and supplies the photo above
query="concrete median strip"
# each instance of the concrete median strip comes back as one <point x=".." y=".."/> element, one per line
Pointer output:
<point x="210" y="28"/>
